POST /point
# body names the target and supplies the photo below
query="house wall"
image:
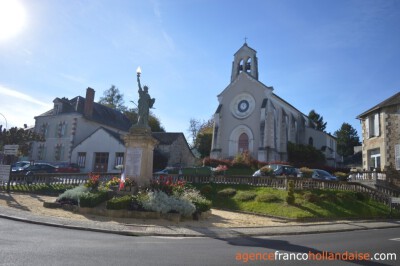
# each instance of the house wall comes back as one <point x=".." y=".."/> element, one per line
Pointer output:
<point x="375" y="142"/>
<point x="178" y="152"/>
<point x="100" y="141"/>
<point x="392" y="129"/>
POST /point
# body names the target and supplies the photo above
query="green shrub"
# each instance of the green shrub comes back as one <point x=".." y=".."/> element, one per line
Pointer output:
<point x="73" y="194"/>
<point x="290" y="198"/>
<point x="119" y="203"/>
<point x="91" y="200"/>
<point x="268" y="198"/>
<point x="246" y="196"/>
<point x="227" y="192"/>
<point x="206" y="190"/>
<point x="311" y="197"/>
<point x="328" y="197"/>
<point x="202" y="204"/>
<point x="362" y="196"/>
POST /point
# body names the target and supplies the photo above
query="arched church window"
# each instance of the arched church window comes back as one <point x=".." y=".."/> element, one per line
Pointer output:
<point x="243" y="142"/>
<point x="311" y="141"/>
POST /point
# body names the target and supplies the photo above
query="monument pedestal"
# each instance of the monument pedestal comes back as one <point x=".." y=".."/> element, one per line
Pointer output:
<point x="139" y="155"/>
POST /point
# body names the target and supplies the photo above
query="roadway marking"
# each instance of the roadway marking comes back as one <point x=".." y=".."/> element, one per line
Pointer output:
<point x="395" y="239"/>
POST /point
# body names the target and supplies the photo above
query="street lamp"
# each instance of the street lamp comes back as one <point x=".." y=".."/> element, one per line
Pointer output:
<point x="4" y="119"/>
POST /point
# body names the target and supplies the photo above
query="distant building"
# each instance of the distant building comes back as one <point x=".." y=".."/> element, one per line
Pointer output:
<point x="251" y="117"/>
<point x="90" y="134"/>
<point x="381" y="134"/>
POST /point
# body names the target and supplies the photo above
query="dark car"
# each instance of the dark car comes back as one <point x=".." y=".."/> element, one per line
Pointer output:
<point x="67" y="168"/>
<point x="19" y="165"/>
<point x="323" y="175"/>
<point x="281" y="170"/>
<point x="37" y="168"/>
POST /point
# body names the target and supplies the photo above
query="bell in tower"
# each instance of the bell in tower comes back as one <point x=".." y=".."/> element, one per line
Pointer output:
<point x="245" y="60"/>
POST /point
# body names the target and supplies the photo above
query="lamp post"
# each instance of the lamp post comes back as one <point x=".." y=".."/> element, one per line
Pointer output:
<point x="4" y="119"/>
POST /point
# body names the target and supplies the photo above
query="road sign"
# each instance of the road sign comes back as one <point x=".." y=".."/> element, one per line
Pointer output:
<point x="11" y="149"/>
<point x="396" y="200"/>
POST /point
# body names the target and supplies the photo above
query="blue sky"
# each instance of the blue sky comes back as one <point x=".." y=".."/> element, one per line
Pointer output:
<point x="339" y="58"/>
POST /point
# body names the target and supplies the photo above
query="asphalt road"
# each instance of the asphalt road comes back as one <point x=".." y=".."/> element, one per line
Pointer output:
<point x="30" y="244"/>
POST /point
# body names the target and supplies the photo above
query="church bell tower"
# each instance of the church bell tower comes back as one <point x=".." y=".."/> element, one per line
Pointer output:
<point x="245" y="60"/>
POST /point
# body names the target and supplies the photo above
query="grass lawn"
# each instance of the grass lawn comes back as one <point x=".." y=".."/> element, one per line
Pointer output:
<point x="308" y="203"/>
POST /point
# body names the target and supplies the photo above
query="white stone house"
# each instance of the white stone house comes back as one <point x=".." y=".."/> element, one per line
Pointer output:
<point x="251" y="117"/>
<point x="89" y="134"/>
<point x="381" y="135"/>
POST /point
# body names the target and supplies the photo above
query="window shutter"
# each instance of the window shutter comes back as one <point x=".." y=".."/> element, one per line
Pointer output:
<point x="376" y="125"/>
<point x="367" y="127"/>
<point x="397" y="156"/>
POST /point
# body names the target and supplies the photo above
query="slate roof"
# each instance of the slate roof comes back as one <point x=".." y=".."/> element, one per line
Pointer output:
<point x="101" y="114"/>
<point x="165" y="138"/>
<point x="393" y="100"/>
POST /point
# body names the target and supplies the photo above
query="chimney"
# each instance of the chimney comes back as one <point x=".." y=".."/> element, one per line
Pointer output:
<point x="88" y="111"/>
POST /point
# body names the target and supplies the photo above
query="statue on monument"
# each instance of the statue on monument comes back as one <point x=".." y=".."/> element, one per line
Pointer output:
<point x="144" y="104"/>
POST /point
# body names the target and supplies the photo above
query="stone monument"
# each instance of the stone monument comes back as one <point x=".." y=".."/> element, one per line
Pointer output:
<point x="139" y="143"/>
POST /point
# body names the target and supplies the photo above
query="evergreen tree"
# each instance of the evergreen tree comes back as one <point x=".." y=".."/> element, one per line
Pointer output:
<point x="347" y="138"/>
<point x="318" y="120"/>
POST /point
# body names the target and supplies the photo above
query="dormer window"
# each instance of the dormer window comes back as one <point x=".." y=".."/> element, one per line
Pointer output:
<point x="56" y="108"/>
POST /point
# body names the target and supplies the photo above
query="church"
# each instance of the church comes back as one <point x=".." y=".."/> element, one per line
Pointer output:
<point x="251" y="117"/>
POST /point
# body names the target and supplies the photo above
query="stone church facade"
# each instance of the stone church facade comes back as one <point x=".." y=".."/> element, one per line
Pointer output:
<point x="251" y="117"/>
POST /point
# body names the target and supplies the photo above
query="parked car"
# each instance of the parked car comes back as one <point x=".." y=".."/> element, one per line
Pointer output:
<point x="37" y="168"/>
<point x="323" y="175"/>
<point x="67" y="168"/>
<point x="19" y="165"/>
<point x="281" y="170"/>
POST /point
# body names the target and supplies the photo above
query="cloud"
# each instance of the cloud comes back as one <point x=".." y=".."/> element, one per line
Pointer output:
<point x="20" y="96"/>
<point x="18" y="108"/>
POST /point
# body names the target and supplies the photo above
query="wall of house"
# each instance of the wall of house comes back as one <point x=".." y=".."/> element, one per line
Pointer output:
<point x="375" y="142"/>
<point x="100" y="141"/>
<point x="54" y="137"/>
<point x="392" y="129"/>
<point x="178" y="153"/>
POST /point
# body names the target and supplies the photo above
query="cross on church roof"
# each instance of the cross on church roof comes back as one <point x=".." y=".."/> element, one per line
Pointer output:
<point x="245" y="40"/>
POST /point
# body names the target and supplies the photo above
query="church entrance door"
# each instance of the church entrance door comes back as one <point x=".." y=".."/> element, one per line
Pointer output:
<point x="243" y="142"/>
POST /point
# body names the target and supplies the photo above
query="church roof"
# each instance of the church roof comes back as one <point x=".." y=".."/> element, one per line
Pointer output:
<point x="246" y="47"/>
<point x="393" y="100"/>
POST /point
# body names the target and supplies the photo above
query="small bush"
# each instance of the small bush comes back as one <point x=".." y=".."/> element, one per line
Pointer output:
<point x="227" y="192"/>
<point x="268" y="198"/>
<point x="158" y="201"/>
<point x="362" y="196"/>
<point x="73" y="195"/>
<point x="91" y="200"/>
<point x="246" y="196"/>
<point x="202" y="205"/>
<point x="206" y="190"/>
<point x="290" y="198"/>
<point x="267" y="171"/>
<point x="121" y="203"/>
<point x="310" y="197"/>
